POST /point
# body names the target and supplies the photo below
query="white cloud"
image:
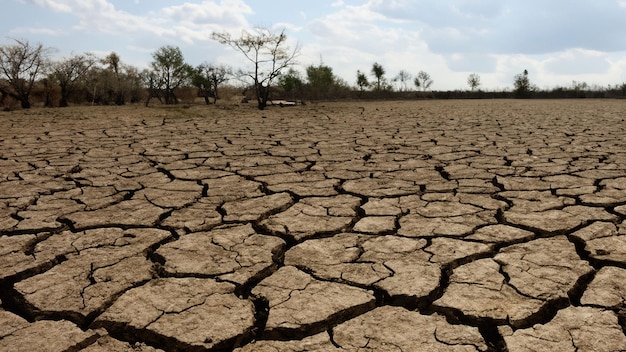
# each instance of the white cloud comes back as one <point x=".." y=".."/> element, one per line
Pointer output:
<point x="287" y="27"/>
<point x="472" y="62"/>
<point x="478" y="9"/>
<point x="352" y="26"/>
<point x="557" y="40"/>
<point x="57" y="6"/>
<point x="510" y="26"/>
<point x="39" y="31"/>
<point x="231" y="13"/>
<point x="173" y="21"/>
<point x="578" y="61"/>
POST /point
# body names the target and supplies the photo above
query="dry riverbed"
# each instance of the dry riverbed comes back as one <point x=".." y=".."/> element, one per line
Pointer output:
<point x="487" y="225"/>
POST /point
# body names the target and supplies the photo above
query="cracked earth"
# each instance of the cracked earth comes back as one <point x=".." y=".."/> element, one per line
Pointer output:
<point x="391" y="226"/>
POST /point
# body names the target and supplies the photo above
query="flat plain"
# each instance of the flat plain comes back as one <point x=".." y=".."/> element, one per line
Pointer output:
<point x="478" y="225"/>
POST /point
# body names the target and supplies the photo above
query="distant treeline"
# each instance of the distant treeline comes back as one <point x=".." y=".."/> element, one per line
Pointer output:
<point x="28" y="76"/>
<point x="43" y="95"/>
<point x="557" y="93"/>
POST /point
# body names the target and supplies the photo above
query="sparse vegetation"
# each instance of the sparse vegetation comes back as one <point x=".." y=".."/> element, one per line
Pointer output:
<point x="322" y="82"/>
<point x="379" y="73"/>
<point x="522" y="85"/>
<point x="320" y="79"/>
<point x="361" y="81"/>
<point x="423" y="81"/>
<point x="403" y="77"/>
<point x="473" y="80"/>
<point x="292" y="83"/>
<point x="112" y="83"/>
<point x="170" y="70"/>
<point x="208" y="78"/>
<point x="27" y="75"/>
<point x="268" y="53"/>
<point x="21" y="65"/>
<point x="68" y="72"/>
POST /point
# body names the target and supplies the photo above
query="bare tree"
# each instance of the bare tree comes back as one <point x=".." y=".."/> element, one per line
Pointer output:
<point x="423" y="80"/>
<point x="269" y="54"/>
<point x="404" y="77"/>
<point x="115" y="82"/>
<point x="113" y="63"/>
<point x="68" y="72"/>
<point x="21" y="64"/>
<point x="133" y="88"/>
<point x="473" y="80"/>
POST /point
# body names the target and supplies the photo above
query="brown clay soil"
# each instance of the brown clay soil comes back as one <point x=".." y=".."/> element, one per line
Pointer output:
<point x="363" y="226"/>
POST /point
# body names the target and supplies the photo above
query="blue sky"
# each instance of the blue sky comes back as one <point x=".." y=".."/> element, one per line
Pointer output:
<point x="557" y="41"/>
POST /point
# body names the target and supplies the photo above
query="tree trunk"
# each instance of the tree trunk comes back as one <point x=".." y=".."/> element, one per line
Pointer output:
<point x="262" y="94"/>
<point x="25" y="101"/>
<point x="48" y="99"/>
<point x="64" y="94"/>
<point x="214" y="93"/>
<point x="170" y="97"/>
<point x="173" y="97"/>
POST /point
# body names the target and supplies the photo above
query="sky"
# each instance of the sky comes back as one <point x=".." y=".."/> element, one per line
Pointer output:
<point x="557" y="41"/>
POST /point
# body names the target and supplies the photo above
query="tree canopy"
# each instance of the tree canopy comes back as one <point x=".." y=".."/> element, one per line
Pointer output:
<point x="21" y="64"/>
<point x="423" y="80"/>
<point x="28" y="72"/>
<point x="208" y="78"/>
<point x="171" y="70"/>
<point x="268" y="53"/>
<point x="473" y="80"/>
<point x="522" y="85"/>
<point x="378" y="72"/>
<point x="69" y="71"/>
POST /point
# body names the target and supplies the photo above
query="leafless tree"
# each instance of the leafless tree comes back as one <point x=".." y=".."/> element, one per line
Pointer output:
<point x="114" y="82"/>
<point x="113" y="63"/>
<point x="423" y="80"/>
<point x="68" y="72"/>
<point x="403" y="77"/>
<point x="268" y="53"/>
<point x="21" y="65"/>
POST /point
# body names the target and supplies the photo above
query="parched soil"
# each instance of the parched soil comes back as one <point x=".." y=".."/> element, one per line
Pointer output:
<point x="363" y="226"/>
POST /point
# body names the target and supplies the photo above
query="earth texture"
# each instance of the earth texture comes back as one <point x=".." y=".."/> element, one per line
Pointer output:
<point x="483" y="225"/>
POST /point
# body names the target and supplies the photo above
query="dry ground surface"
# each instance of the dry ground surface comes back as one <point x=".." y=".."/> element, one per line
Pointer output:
<point x="362" y="226"/>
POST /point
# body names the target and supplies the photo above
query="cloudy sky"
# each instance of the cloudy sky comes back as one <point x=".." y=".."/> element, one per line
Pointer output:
<point x="557" y="41"/>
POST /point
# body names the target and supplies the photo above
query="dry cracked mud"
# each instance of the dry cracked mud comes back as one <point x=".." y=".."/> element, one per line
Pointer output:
<point x="363" y="226"/>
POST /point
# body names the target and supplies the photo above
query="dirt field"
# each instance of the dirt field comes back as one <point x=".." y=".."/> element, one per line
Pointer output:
<point x="363" y="226"/>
